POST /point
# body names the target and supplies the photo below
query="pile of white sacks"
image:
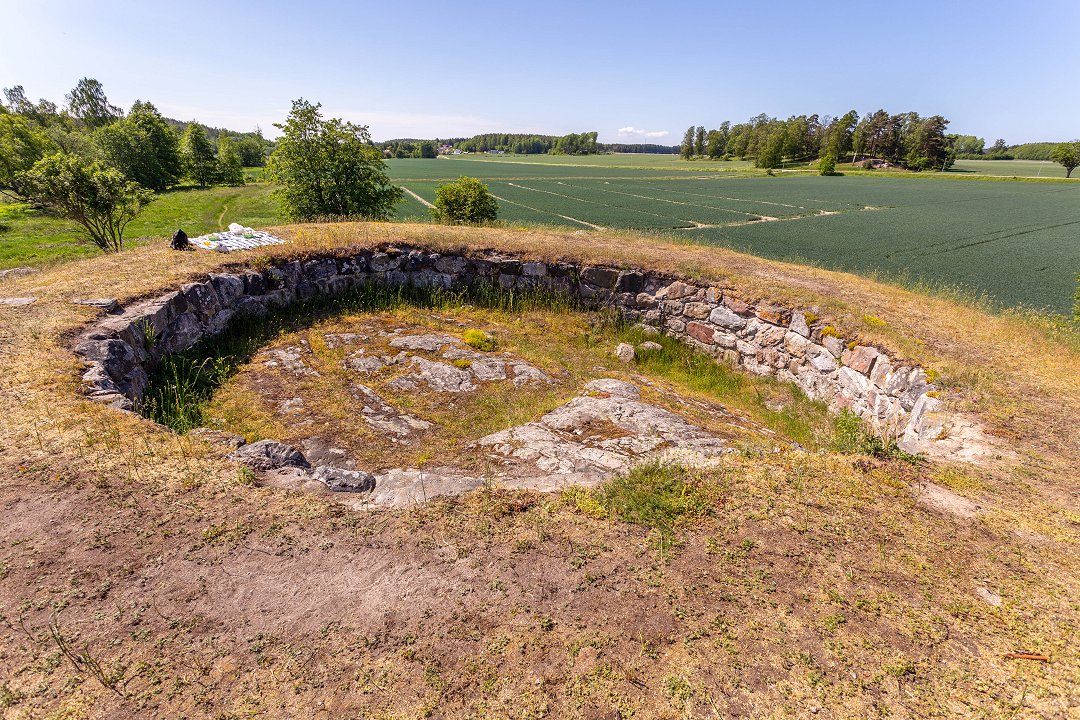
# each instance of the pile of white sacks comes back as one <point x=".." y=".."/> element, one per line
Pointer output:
<point x="237" y="237"/>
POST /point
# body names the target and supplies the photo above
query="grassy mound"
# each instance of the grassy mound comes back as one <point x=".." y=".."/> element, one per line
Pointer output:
<point x="142" y="574"/>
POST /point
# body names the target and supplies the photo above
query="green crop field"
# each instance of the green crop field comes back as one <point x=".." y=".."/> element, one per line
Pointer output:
<point x="1014" y="242"/>
<point x="1009" y="168"/>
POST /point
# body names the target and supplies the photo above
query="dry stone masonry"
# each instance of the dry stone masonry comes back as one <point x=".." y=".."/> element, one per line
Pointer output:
<point x="894" y="397"/>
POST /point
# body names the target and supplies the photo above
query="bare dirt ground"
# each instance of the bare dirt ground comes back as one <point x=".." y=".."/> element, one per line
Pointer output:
<point x="143" y="575"/>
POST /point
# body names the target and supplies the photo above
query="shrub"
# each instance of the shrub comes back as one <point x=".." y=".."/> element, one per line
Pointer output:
<point x="851" y="437"/>
<point x="827" y="165"/>
<point x="92" y="194"/>
<point x="465" y="202"/>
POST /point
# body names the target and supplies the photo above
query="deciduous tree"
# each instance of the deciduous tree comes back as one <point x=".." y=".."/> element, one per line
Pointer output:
<point x="1067" y="155"/>
<point x="686" y="150"/>
<point x="88" y="104"/>
<point x="198" y="154"/>
<point x="142" y="146"/>
<point x="329" y="168"/>
<point x="21" y="145"/>
<point x="92" y="194"/>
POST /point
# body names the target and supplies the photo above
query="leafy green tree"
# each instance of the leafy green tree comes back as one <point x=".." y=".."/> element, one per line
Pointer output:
<point x="1067" y="155"/>
<point x="142" y="146"/>
<point x="687" y="147"/>
<point x="88" y="104"/>
<point x="329" y="168"/>
<point x="827" y="164"/>
<point x="699" y="141"/>
<point x="230" y="171"/>
<point x="198" y="155"/>
<point x="967" y="144"/>
<point x="773" y="152"/>
<point x="251" y="151"/>
<point x="576" y="144"/>
<point x="466" y="201"/>
<point x="92" y="194"/>
<point x="426" y="149"/>
<point x="841" y="134"/>
<point x="21" y="145"/>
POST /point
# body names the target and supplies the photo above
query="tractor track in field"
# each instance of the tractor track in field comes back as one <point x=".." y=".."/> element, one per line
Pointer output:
<point x="604" y="205"/>
<point x="421" y="200"/>
<point x="548" y="212"/>
<point x="673" y="202"/>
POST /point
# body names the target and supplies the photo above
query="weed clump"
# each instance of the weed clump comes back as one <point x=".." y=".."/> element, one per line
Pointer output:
<point x="478" y="340"/>
<point x="658" y="495"/>
<point x="852" y="438"/>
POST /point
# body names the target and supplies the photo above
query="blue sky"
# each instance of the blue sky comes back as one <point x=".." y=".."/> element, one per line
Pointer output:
<point x="995" y="69"/>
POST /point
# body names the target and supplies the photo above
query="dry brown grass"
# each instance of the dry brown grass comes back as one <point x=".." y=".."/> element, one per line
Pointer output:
<point x="818" y="583"/>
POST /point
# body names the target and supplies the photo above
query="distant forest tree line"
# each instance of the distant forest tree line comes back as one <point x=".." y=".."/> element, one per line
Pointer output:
<point x="519" y="144"/>
<point x="904" y="139"/>
<point x="969" y="147"/>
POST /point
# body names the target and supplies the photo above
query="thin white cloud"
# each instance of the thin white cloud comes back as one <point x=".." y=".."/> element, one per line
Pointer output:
<point x="632" y="132"/>
<point x="387" y="124"/>
<point x="383" y="124"/>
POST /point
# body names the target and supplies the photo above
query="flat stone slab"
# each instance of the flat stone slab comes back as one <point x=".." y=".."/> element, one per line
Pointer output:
<point x="384" y="417"/>
<point x="604" y="431"/>
<point x="17" y="301"/>
<point x="290" y="359"/>
<point x="106" y="304"/>
<point x="13" y="273"/>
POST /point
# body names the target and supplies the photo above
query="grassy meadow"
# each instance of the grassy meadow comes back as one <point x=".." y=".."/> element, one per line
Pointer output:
<point x="34" y="237"/>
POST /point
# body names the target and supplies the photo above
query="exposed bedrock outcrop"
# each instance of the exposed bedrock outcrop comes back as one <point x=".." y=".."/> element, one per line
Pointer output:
<point x="786" y="343"/>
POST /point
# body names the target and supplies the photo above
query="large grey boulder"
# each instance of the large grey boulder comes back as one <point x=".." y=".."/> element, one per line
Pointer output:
<point x="270" y="455"/>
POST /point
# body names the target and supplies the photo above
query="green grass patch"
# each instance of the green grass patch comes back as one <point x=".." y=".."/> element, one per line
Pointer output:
<point x="782" y="407"/>
<point x="478" y="340"/>
<point x="851" y="437"/>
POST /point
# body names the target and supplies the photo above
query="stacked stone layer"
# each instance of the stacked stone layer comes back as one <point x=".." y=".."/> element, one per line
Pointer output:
<point x="764" y="339"/>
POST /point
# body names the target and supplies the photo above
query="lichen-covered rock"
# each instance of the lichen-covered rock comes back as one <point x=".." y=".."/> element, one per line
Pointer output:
<point x="270" y="455"/>
<point x="625" y="352"/>
<point x="341" y="480"/>
<point x="726" y="318"/>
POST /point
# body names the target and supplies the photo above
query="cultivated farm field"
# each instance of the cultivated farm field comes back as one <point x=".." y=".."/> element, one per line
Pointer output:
<point x="1009" y="168"/>
<point x="1013" y="242"/>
